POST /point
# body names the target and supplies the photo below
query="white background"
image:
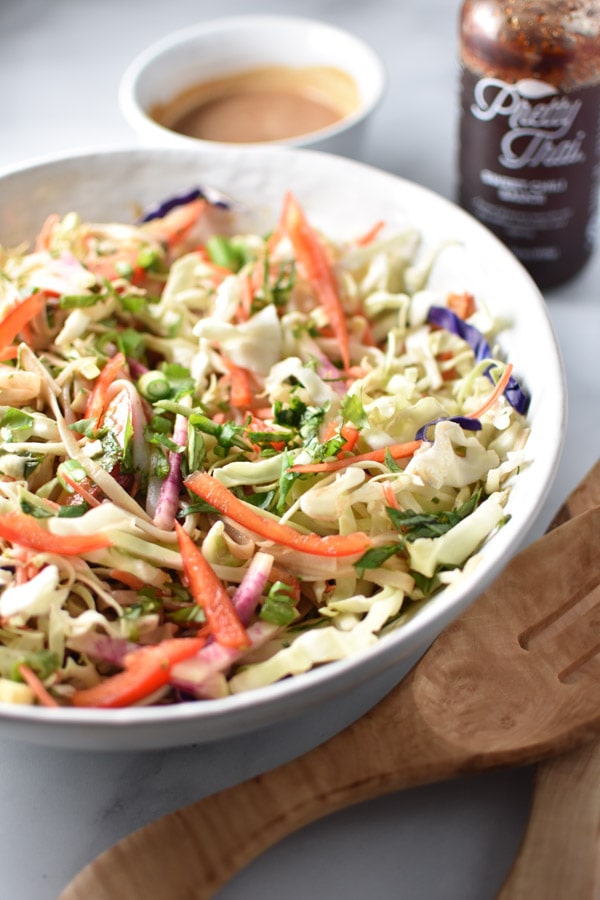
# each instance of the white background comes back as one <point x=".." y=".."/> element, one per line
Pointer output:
<point x="60" y="64"/>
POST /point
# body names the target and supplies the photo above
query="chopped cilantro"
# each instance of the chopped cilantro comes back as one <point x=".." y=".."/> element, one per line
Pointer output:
<point x="414" y="525"/>
<point x="15" y="425"/>
<point x="376" y="557"/>
<point x="43" y="662"/>
<point x="353" y="411"/>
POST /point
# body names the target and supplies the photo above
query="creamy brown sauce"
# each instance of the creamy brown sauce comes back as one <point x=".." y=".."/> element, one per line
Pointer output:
<point x="268" y="104"/>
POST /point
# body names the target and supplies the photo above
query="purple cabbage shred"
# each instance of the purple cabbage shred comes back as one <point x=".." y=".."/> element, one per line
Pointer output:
<point x="464" y="422"/>
<point x="197" y="193"/>
<point x="445" y="318"/>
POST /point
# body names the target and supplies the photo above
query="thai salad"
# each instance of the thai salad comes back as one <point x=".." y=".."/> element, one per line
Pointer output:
<point x="229" y="458"/>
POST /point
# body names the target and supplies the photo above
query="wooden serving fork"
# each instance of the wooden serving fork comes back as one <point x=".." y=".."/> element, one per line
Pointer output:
<point x="560" y="853"/>
<point x="515" y="680"/>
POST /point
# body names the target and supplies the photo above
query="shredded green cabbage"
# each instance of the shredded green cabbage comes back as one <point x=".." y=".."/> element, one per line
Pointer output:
<point x="233" y="368"/>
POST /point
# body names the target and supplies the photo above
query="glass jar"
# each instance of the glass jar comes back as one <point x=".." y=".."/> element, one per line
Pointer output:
<point x="529" y="159"/>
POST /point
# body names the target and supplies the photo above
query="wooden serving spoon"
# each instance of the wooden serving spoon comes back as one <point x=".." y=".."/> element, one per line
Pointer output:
<point x="513" y="681"/>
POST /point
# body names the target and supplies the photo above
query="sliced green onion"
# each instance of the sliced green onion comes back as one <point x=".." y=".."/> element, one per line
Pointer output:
<point x="154" y="386"/>
<point x="278" y="607"/>
<point x="223" y="252"/>
<point x="148" y="258"/>
<point x="71" y="470"/>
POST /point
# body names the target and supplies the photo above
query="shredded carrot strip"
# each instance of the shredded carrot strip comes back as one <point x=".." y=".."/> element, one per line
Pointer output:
<point x="497" y="392"/>
<point x="79" y="489"/>
<point x="463" y="305"/>
<point x="397" y="451"/>
<point x="310" y="252"/>
<point x="9" y="353"/>
<point x="36" y="685"/>
<point x="390" y="496"/>
<point x="369" y="236"/>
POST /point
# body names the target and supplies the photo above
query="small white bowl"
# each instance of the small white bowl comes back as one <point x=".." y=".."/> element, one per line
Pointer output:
<point x="222" y="47"/>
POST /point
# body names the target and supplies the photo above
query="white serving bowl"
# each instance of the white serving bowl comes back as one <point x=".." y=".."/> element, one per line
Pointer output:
<point x="221" y="47"/>
<point x="113" y="185"/>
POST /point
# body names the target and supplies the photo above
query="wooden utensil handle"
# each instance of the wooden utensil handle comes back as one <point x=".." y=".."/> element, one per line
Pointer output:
<point x="209" y="841"/>
<point x="560" y="854"/>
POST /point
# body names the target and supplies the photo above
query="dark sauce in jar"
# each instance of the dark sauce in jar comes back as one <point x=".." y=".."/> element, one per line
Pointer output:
<point x="530" y="128"/>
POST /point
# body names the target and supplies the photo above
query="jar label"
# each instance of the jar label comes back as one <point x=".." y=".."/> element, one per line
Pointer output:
<point x="529" y="166"/>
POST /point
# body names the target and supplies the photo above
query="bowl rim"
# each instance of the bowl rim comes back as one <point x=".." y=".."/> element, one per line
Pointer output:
<point x="142" y="122"/>
<point x="253" y="709"/>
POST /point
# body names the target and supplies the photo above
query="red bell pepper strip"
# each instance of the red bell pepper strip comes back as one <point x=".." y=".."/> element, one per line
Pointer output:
<point x="96" y="401"/>
<point x="390" y="496"/>
<point x="335" y="545"/>
<point x="145" y="671"/>
<point x="240" y="390"/>
<point x="20" y="316"/>
<point x="309" y="251"/>
<point x="209" y="593"/>
<point x="19" y="528"/>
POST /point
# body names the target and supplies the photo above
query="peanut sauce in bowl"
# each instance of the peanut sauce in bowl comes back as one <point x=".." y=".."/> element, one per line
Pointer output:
<point x="271" y="103"/>
<point x="256" y="79"/>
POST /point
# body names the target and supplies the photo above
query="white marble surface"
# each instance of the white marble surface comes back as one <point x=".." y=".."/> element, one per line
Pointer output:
<point x="60" y="64"/>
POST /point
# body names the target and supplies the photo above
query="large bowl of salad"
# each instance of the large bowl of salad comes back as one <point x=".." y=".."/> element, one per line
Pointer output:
<point x="270" y="419"/>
